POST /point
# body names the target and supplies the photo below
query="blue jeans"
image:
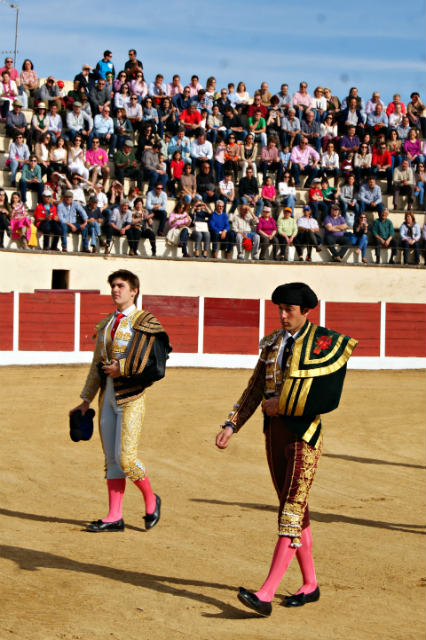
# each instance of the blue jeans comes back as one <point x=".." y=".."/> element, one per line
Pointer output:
<point x="311" y="173"/>
<point x="34" y="186"/>
<point x="421" y="193"/>
<point x="84" y="233"/>
<point x="289" y="201"/>
<point x="344" y="207"/>
<point x="226" y="244"/>
<point x="262" y="138"/>
<point x="94" y="231"/>
<point x="361" y="242"/>
<point x="258" y="206"/>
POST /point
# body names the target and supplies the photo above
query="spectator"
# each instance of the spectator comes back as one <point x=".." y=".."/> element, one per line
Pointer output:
<point x="257" y="106"/>
<point x="286" y="232"/>
<point x="58" y="156"/>
<point x="319" y="105"/>
<point x="330" y="162"/>
<point x="359" y="234"/>
<point x="149" y="113"/>
<point x="412" y="147"/>
<point x="97" y="161"/>
<point x="268" y="192"/>
<point x="256" y="124"/>
<point x="8" y="93"/>
<point x="78" y="122"/>
<point x="316" y="200"/>
<point x="391" y="106"/>
<point x="347" y="164"/>
<point x="348" y="196"/>
<point x="187" y="184"/>
<point x="167" y="117"/>
<point x="39" y="123"/>
<point x="382" y="165"/>
<point x="330" y="194"/>
<point x="362" y="163"/>
<point x="134" y="112"/>
<point x="105" y="66"/>
<point x="123" y="130"/>
<point x="403" y="183"/>
<point x="424" y="241"/>
<point x="42" y="151"/>
<point x="350" y="142"/>
<point x="395" y="118"/>
<point x="103" y="128"/>
<point x="265" y="94"/>
<point x="206" y="186"/>
<point x="420" y="179"/>
<point x="4" y="216"/>
<point x="394" y="146"/>
<point x="377" y="120"/>
<point x="302" y="101"/>
<point x="133" y="65"/>
<point x="86" y="78"/>
<point x="227" y="191"/>
<point x="220" y="232"/>
<point x="384" y="235"/>
<point x="214" y="124"/>
<point x="20" y="222"/>
<point x="416" y="113"/>
<point x="182" y="100"/>
<point x="119" y="223"/>
<point x="373" y="102"/>
<point x="181" y="143"/>
<point x="99" y="96"/>
<point x="335" y="227"/>
<point x="156" y="203"/>
<point x="351" y="116"/>
<point x="19" y="154"/>
<point x="201" y="150"/>
<point x="73" y="218"/>
<point x="151" y="167"/>
<point x="242" y="95"/>
<point x="120" y="80"/>
<point x="174" y="87"/>
<point x="126" y="165"/>
<point x="49" y="93"/>
<point x="233" y="124"/>
<point x="248" y="190"/>
<point x="307" y="234"/>
<point x="232" y="156"/>
<point x="333" y="102"/>
<point x="409" y="234"/>
<point x="404" y="129"/>
<point x="353" y="93"/>
<point x="122" y="97"/>
<point x="269" y="159"/>
<point x="311" y="130"/>
<point x="95" y="221"/>
<point x="47" y="221"/>
<point x="200" y="230"/>
<point x="157" y="89"/>
<point x="267" y="230"/>
<point x="54" y="123"/>
<point x="284" y="98"/>
<point x="273" y="120"/>
<point x="179" y="222"/>
<point x="328" y="131"/>
<point x="304" y="159"/>
<point x="290" y="129"/>
<point x="31" y="179"/>
<point x="138" y="86"/>
<point x="370" y="196"/>
<point x="190" y="119"/>
<point x="248" y="155"/>
<point x="76" y="158"/>
<point x="243" y="225"/>
<point x="287" y="191"/>
<point x="15" y="121"/>
<point x="140" y="228"/>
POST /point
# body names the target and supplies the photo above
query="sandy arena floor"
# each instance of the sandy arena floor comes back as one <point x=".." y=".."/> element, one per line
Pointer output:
<point x="218" y="527"/>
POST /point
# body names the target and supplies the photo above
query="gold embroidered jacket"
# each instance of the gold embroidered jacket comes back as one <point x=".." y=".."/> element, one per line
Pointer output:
<point x="141" y="347"/>
<point x="311" y="384"/>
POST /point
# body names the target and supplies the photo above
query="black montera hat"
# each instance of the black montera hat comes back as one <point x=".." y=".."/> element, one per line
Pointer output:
<point x="81" y="427"/>
<point x="295" y="293"/>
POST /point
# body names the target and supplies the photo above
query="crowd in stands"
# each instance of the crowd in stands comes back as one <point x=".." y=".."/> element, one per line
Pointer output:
<point x="232" y="162"/>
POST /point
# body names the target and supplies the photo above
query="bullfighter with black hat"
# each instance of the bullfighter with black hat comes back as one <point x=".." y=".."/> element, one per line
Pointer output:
<point x="299" y="376"/>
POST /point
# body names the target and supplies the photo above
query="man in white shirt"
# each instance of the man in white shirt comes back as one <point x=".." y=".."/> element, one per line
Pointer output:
<point x="201" y="150"/>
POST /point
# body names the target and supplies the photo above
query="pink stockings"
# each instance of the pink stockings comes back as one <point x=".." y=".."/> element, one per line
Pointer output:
<point x="116" y="488"/>
<point x="283" y="555"/>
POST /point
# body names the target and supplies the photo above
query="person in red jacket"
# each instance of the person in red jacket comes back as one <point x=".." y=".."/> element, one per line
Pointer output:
<point x="381" y="164"/>
<point x="47" y="221"/>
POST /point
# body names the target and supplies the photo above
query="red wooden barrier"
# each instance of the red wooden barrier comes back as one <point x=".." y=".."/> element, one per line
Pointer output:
<point x="6" y="324"/>
<point x="179" y="316"/>
<point x="46" y="322"/>
<point x="405" y="330"/>
<point x="231" y="326"/>
<point x="93" y="307"/>
<point x="360" y="321"/>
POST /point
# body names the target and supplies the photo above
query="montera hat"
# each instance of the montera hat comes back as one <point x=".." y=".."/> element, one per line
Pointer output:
<point x="81" y="427"/>
<point x="295" y="293"/>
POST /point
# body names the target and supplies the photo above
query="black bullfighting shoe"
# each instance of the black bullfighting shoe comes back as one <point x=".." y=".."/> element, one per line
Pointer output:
<point x="250" y="600"/>
<point x="301" y="598"/>
<point x="98" y="526"/>
<point x="151" y="519"/>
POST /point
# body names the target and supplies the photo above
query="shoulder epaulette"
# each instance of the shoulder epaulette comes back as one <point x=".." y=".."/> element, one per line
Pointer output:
<point x="268" y="341"/>
<point x="146" y="322"/>
<point x="320" y="352"/>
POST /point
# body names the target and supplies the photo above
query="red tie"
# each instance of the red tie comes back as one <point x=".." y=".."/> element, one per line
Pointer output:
<point x="116" y="323"/>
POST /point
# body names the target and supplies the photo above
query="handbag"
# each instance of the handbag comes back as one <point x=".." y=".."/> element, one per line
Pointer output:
<point x="201" y="226"/>
<point x="173" y="237"/>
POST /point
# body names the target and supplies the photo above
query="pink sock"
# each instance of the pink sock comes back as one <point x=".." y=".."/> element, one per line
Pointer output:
<point x="148" y="494"/>
<point x="116" y="488"/>
<point x="283" y="555"/>
<point x="306" y="562"/>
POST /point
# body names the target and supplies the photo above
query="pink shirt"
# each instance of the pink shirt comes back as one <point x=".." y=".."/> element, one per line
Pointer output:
<point x="302" y="156"/>
<point x="97" y="156"/>
<point x="172" y="90"/>
<point x="193" y="91"/>
<point x="302" y="98"/>
<point x="267" y="225"/>
<point x="177" y="219"/>
<point x="268" y="192"/>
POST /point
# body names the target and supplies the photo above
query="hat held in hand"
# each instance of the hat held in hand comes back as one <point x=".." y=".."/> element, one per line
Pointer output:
<point x="81" y="426"/>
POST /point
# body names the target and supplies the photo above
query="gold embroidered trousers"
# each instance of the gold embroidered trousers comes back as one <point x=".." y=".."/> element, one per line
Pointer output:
<point x="293" y="464"/>
<point x="120" y="429"/>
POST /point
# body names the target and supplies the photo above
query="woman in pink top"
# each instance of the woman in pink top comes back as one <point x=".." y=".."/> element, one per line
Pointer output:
<point x="179" y="220"/>
<point x="267" y="229"/>
<point x="139" y="86"/>
<point x="412" y="146"/>
<point x="301" y="100"/>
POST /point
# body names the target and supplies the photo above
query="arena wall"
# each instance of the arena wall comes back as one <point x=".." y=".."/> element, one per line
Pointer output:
<point x="215" y="312"/>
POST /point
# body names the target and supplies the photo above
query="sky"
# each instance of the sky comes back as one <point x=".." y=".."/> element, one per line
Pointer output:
<point x="372" y="44"/>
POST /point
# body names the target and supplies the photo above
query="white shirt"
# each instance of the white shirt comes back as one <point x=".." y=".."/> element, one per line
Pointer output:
<point x="287" y="335"/>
